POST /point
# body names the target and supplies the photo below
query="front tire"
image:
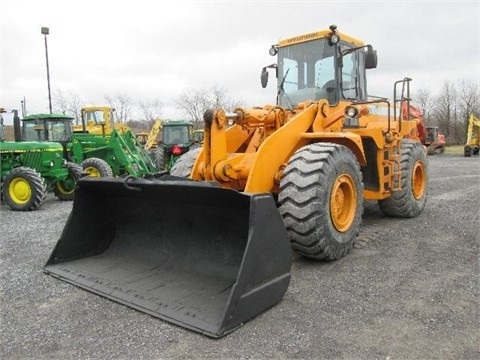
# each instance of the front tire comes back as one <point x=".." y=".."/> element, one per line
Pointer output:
<point x="321" y="200"/>
<point x="97" y="167"/>
<point x="410" y="201"/>
<point x="65" y="189"/>
<point x="24" y="189"/>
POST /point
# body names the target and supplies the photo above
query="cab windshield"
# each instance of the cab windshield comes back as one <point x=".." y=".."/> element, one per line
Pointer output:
<point x="52" y="130"/>
<point x="176" y="135"/>
<point x="307" y="71"/>
<point x="97" y="116"/>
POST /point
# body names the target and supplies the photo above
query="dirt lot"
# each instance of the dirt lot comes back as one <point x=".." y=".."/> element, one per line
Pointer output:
<point x="408" y="290"/>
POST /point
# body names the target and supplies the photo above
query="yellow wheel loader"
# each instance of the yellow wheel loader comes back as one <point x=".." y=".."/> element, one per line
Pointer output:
<point x="208" y="246"/>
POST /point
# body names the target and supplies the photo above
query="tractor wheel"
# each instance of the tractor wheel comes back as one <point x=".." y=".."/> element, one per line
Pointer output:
<point x="24" y="189"/>
<point x="160" y="158"/>
<point x="65" y="189"/>
<point x="321" y="200"/>
<point x="410" y="201"/>
<point x="183" y="166"/>
<point x="97" y="167"/>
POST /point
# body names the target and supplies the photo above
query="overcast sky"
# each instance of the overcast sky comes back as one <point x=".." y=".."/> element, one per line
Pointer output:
<point x="155" y="49"/>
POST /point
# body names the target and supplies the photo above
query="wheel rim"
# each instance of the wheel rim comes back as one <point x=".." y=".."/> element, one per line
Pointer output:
<point x="419" y="180"/>
<point x="343" y="203"/>
<point x="20" y="191"/>
<point x="91" y="171"/>
<point x="66" y="186"/>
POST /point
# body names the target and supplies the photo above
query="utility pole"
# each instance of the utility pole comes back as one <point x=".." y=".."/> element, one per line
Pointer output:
<point x="45" y="31"/>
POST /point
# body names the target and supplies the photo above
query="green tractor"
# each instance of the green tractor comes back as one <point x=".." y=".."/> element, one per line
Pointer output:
<point x="28" y="170"/>
<point x="178" y="137"/>
<point x="104" y="154"/>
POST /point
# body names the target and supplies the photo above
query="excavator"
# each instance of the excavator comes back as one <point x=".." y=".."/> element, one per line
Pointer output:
<point x="434" y="140"/>
<point x="473" y="136"/>
<point x="430" y="136"/>
<point x="149" y="139"/>
<point x="208" y="245"/>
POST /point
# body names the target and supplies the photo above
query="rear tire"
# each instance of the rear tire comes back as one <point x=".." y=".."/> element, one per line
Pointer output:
<point x="65" y="189"/>
<point x="24" y="189"/>
<point x="96" y="167"/>
<point x="321" y="200"/>
<point x="184" y="165"/>
<point x="410" y="201"/>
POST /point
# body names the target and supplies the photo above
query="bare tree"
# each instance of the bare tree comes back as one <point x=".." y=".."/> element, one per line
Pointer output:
<point x="68" y="102"/>
<point x="445" y="111"/>
<point x="194" y="102"/>
<point x="425" y="101"/>
<point x="469" y="103"/>
<point x="122" y="103"/>
<point x="454" y="106"/>
<point x="60" y="101"/>
<point x="151" y="111"/>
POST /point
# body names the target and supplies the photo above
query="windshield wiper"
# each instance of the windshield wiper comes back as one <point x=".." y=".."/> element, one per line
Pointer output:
<point x="282" y="91"/>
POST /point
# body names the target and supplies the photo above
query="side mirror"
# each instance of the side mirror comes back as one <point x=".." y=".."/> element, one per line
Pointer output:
<point x="264" y="77"/>
<point x="370" y="58"/>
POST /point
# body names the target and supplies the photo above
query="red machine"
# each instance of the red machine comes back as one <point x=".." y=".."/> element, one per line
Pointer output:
<point x="430" y="136"/>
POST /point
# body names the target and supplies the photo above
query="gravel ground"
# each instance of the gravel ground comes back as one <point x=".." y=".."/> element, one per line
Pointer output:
<point x="408" y="290"/>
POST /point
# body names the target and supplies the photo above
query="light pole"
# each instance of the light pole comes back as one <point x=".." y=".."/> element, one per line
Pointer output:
<point x="45" y="32"/>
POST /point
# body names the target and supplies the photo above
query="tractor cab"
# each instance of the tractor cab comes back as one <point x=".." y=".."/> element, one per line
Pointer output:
<point x="320" y="65"/>
<point x="47" y="127"/>
<point x="177" y="133"/>
<point x="177" y="139"/>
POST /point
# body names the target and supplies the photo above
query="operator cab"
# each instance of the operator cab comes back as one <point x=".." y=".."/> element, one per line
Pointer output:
<point x="320" y="65"/>
<point x="95" y="117"/>
<point x="47" y="127"/>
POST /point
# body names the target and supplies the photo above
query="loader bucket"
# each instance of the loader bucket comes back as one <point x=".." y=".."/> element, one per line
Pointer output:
<point x="194" y="254"/>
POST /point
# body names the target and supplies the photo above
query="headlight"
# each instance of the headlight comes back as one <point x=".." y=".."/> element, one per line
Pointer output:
<point x="334" y="39"/>
<point x="351" y="117"/>
<point x="351" y="111"/>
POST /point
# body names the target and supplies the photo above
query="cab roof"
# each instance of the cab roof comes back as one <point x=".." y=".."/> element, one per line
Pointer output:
<point x="47" y="116"/>
<point x="318" y="35"/>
